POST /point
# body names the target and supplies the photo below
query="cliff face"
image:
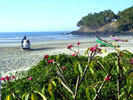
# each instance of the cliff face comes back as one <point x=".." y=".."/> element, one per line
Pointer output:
<point x="108" y="29"/>
<point x="111" y="27"/>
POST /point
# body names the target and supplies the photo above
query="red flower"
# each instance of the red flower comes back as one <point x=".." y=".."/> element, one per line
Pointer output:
<point x="131" y="59"/>
<point x="78" y="43"/>
<point x="2" y="78"/>
<point x="120" y="54"/>
<point x="13" y="77"/>
<point x="69" y="46"/>
<point x="30" y="78"/>
<point x="46" y="56"/>
<point x="7" y="78"/>
<point x="93" y="48"/>
<point x="107" y="78"/>
<point x="64" y="68"/>
<point x="74" y="54"/>
<point x="50" y="61"/>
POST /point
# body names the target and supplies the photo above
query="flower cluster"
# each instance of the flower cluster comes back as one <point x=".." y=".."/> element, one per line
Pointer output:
<point x="46" y="56"/>
<point x="7" y="78"/>
<point x="78" y="43"/>
<point x="29" y="79"/>
<point x="107" y="78"/>
<point x="96" y="49"/>
<point x="50" y="61"/>
<point x="74" y="54"/>
<point x="70" y="46"/>
<point x="64" y="68"/>
<point x="131" y="61"/>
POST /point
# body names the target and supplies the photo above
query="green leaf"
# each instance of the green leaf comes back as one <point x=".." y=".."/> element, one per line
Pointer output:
<point x="101" y="66"/>
<point x="50" y="88"/>
<point x="117" y="67"/>
<point x="92" y="71"/>
<point x="76" y="68"/>
<point x="43" y="90"/>
<point x="57" y="57"/>
<point x="87" y="93"/>
<point x="44" y="98"/>
<point x="86" y="52"/>
<point x="53" y="82"/>
<point x="33" y="96"/>
<point x="80" y="69"/>
<point x="125" y="70"/>
<point x="9" y="97"/>
<point x="129" y="89"/>
<point x="25" y="96"/>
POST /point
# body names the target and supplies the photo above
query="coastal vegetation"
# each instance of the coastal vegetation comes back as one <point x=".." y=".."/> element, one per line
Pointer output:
<point x="97" y="19"/>
<point x="123" y="21"/>
<point x="74" y="77"/>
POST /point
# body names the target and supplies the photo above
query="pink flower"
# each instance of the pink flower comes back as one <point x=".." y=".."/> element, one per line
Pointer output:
<point x="131" y="62"/>
<point x="78" y="43"/>
<point x="107" y="78"/>
<point x="7" y="78"/>
<point x="93" y="48"/>
<point x="2" y="78"/>
<point x="13" y="77"/>
<point x="50" y="61"/>
<point x="69" y="46"/>
<point x="74" y="54"/>
<point x="64" y="68"/>
<point x="46" y="56"/>
<point x="131" y="59"/>
<point x="30" y="78"/>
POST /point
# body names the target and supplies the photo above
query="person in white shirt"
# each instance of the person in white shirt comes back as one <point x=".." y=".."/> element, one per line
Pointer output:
<point x="25" y="43"/>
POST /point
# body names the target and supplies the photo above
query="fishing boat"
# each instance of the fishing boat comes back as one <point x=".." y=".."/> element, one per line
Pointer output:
<point x="105" y="43"/>
<point x="117" y="39"/>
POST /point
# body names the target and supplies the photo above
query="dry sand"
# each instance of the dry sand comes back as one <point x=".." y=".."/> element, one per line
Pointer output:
<point x="13" y="58"/>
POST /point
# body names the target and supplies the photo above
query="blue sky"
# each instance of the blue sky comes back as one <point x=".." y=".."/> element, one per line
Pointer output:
<point x="51" y="15"/>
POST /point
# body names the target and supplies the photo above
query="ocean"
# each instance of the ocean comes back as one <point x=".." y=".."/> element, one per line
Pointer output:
<point x="16" y="37"/>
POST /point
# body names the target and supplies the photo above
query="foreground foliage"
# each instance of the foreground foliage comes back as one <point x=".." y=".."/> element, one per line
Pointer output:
<point x="107" y="78"/>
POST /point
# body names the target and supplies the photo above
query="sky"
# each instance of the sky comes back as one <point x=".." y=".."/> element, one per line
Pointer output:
<point x="51" y="15"/>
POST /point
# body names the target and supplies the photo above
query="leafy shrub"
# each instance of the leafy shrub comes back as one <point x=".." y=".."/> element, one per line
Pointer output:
<point x="47" y="80"/>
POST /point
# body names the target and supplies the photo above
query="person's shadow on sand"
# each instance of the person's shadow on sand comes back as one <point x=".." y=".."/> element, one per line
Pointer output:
<point x="39" y="49"/>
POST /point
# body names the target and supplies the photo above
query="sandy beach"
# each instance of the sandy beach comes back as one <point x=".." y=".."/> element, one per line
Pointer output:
<point x="13" y="58"/>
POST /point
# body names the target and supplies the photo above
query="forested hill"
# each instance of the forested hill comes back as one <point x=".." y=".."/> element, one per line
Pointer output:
<point x="107" y="21"/>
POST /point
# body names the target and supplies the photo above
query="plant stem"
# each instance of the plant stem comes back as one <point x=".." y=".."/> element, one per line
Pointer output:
<point x="100" y="88"/>
<point x="61" y="74"/>
<point x="79" y="81"/>
<point x="118" y="76"/>
<point x="76" y="89"/>
<point x="67" y="87"/>
<point x="62" y="94"/>
<point x="13" y="91"/>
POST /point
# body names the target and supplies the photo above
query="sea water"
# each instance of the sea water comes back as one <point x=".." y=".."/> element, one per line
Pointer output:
<point x="16" y="37"/>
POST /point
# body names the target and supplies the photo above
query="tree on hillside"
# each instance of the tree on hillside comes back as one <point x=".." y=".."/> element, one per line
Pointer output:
<point x="97" y="19"/>
<point x="125" y="19"/>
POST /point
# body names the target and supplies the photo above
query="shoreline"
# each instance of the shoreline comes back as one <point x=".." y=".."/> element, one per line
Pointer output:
<point x="13" y="58"/>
